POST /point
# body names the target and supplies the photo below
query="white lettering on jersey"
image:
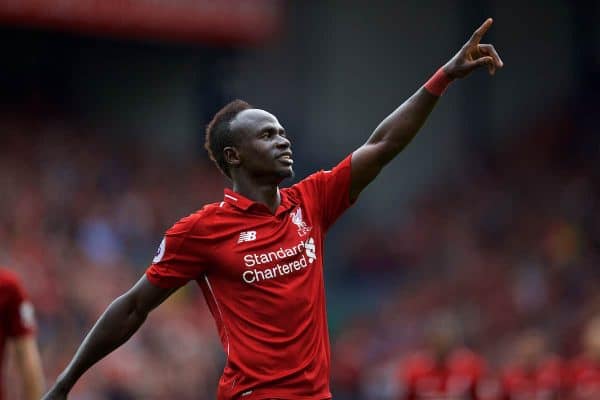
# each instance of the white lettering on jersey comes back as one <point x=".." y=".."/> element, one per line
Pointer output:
<point x="247" y="236"/>
<point x="306" y="251"/>
<point x="311" y="250"/>
<point x="160" y="252"/>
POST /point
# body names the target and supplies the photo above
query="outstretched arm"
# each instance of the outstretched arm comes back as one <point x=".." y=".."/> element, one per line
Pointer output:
<point x="401" y="126"/>
<point x="119" y="322"/>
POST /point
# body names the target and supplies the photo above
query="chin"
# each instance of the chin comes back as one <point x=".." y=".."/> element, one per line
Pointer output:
<point x="286" y="173"/>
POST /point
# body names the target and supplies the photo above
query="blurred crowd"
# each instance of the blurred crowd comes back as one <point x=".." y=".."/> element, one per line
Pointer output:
<point x="497" y="278"/>
<point x="495" y="271"/>
<point x="81" y="215"/>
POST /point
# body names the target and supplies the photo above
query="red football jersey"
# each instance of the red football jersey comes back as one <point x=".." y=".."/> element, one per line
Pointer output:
<point x="262" y="278"/>
<point x="543" y="382"/>
<point x="421" y="377"/>
<point x="16" y="313"/>
<point x="583" y="379"/>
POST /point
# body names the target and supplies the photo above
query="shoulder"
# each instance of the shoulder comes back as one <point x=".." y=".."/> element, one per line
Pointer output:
<point x="340" y="170"/>
<point x="11" y="287"/>
<point x="9" y="279"/>
<point x="197" y="220"/>
<point x="308" y="181"/>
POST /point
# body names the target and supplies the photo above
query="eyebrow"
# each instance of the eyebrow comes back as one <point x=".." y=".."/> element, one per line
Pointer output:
<point x="272" y="127"/>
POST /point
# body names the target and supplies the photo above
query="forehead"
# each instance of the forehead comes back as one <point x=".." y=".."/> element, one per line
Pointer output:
<point x="254" y="120"/>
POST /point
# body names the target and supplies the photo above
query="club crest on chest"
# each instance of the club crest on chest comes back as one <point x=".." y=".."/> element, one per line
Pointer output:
<point x="297" y="219"/>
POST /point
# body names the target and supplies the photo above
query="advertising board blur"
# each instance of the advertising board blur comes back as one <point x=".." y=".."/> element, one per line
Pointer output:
<point x="212" y="21"/>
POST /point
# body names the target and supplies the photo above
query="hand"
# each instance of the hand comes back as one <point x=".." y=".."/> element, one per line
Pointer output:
<point x="474" y="55"/>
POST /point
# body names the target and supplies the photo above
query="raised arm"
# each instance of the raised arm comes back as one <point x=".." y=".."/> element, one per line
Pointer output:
<point x="118" y="323"/>
<point x="401" y="126"/>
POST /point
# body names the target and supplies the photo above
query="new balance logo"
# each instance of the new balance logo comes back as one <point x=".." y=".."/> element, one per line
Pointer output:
<point x="247" y="236"/>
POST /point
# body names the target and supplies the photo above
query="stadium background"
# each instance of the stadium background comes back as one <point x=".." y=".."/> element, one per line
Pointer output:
<point x="489" y="220"/>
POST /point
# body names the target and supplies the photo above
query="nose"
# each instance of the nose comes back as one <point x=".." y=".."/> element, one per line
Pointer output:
<point x="283" y="142"/>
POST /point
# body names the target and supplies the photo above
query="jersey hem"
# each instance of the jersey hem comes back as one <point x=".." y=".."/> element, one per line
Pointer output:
<point x="270" y="394"/>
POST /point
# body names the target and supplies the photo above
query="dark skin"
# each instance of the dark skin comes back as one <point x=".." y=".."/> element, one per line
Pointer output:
<point x="261" y="158"/>
<point x="258" y="163"/>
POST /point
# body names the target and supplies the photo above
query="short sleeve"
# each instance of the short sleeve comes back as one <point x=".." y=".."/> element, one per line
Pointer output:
<point x="181" y="255"/>
<point x="21" y="319"/>
<point x="328" y="192"/>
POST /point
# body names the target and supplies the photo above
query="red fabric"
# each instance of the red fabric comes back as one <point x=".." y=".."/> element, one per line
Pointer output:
<point x="546" y="379"/>
<point x="583" y="379"/>
<point x="16" y="313"/>
<point x="437" y="84"/>
<point x="231" y="21"/>
<point x="457" y="377"/>
<point x="262" y="278"/>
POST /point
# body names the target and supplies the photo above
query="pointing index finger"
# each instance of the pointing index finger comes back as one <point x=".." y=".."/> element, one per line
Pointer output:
<point x="478" y="34"/>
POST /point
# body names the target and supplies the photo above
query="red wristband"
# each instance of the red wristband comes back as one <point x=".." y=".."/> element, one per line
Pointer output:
<point x="437" y="84"/>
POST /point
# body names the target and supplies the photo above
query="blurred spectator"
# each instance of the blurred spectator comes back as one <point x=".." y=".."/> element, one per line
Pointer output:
<point x="80" y="221"/>
<point x="583" y="377"/>
<point x="511" y="243"/>
<point x="444" y="368"/>
<point x="17" y="330"/>
<point x="533" y="373"/>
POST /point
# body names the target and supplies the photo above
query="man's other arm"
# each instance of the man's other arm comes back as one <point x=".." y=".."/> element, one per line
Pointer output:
<point x="401" y="126"/>
<point x="29" y="365"/>
<point x="118" y="323"/>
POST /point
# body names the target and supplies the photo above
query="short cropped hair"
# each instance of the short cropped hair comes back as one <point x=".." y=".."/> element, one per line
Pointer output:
<point x="219" y="135"/>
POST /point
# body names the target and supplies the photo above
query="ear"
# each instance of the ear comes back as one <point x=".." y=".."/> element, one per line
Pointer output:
<point x="232" y="156"/>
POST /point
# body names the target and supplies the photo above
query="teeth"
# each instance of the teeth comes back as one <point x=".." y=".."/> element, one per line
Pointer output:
<point x="287" y="159"/>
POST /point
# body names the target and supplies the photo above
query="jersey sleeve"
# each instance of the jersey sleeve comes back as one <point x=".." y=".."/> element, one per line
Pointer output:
<point x="329" y="192"/>
<point x="21" y="320"/>
<point x="181" y="255"/>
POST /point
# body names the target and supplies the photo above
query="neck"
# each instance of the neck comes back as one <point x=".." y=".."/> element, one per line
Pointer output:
<point x="267" y="194"/>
